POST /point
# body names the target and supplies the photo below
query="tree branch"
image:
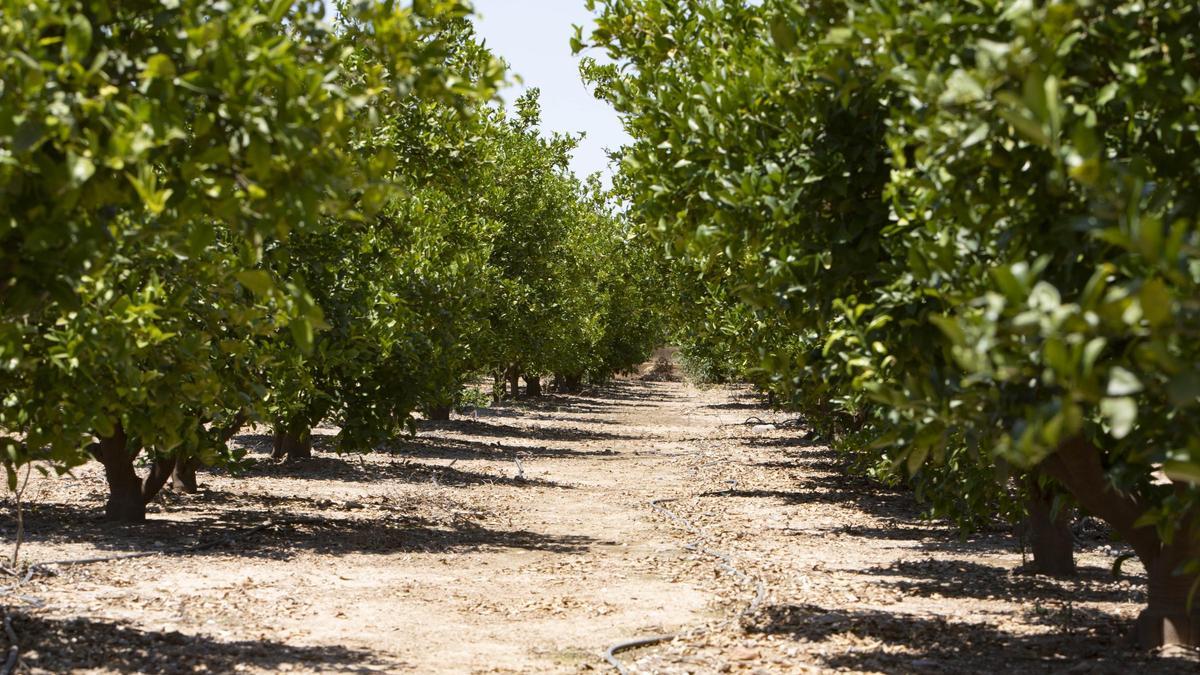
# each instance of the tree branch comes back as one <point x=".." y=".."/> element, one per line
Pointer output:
<point x="1076" y="465"/>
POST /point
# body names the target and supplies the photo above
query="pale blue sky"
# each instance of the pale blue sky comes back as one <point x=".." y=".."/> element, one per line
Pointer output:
<point x="534" y="37"/>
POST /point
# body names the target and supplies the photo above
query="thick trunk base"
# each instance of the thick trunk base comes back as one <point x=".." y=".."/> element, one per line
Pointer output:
<point x="497" y="387"/>
<point x="125" y="506"/>
<point x="1167" y="620"/>
<point x="291" y="446"/>
<point x="1158" y="627"/>
<point x="440" y="413"/>
<point x="568" y="384"/>
<point x="514" y="382"/>
<point x="183" y="479"/>
<point x="533" y="386"/>
<point x="125" y="502"/>
<point x="1050" y="536"/>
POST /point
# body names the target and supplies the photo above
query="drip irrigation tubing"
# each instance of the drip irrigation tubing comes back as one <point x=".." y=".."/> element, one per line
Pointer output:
<point x="14" y="649"/>
<point x="754" y="421"/>
<point x="726" y="564"/>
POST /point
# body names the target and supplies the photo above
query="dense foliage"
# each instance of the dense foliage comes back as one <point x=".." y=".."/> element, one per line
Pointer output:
<point x="964" y="230"/>
<point x="215" y="214"/>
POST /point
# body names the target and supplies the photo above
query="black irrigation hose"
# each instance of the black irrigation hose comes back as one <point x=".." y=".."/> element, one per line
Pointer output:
<point x="610" y="654"/>
<point x="14" y="650"/>
<point x="796" y="423"/>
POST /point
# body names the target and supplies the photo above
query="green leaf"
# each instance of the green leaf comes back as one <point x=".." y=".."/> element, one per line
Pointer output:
<point x="158" y="66"/>
<point x="258" y="281"/>
<point x="1156" y="302"/>
<point x="1187" y="472"/>
<point x="279" y="10"/>
<point x="1028" y="127"/>
<point x="961" y="87"/>
<point x="950" y="328"/>
<point x="783" y="33"/>
<point x="916" y="458"/>
<point x="28" y="136"/>
<point x="81" y="169"/>
<point x="1121" y="414"/>
<point x="1121" y="382"/>
<point x="1091" y="353"/>
<point x="302" y="333"/>
<point x="79" y="37"/>
<point x="1184" y="389"/>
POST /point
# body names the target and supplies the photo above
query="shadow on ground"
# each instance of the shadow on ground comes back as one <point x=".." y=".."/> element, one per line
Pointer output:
<point x="499" y="430"/>
<point x="255" y="526"/>
<point x="907" y="643"/>
<point x="54" y="645"/>
<point x="854" y="492"/>
<point x="969" y="579"/>
<point x="356" y="468"/>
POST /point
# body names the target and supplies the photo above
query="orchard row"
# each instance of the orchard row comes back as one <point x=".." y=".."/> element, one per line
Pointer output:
<point x="960" y="236"/>
<point x="217" y="214"/>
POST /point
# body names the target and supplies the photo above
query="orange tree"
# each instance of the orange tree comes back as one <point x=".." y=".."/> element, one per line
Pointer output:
<point x="149" y="154"/>
<point x="566" y="296"/>
<point x="976" y="219"/>
<point x="400" y="277"/>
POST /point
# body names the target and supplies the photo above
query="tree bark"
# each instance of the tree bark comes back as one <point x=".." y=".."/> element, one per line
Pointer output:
<point x="235" y="425"/>
<point x="1076" y="466"/>
<point x="497" y="387"/>
<point x="1167" y="620"/>
<point x="292" y="446"/>
<point x="514" y="381"/>
<point x="160" y="472"/>
<point x="183" y="479"/>
<point x="567" y="384"/>
<point x="438" y="413"/>
<point x="125" y="503"/>
<point x="533" y="385"/>
<point x="1049" y="533"/>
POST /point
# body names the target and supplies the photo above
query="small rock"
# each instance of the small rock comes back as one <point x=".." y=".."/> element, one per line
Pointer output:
<point x="743" y="654"/>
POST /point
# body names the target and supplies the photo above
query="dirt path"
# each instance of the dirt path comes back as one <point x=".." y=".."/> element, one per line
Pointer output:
<point x="522" y="541"/>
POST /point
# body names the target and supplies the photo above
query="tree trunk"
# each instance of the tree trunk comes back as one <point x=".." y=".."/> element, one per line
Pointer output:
<point x="183" y="479"/>
<point x="438" y="413"/>
<point x="514" y="381"/>
<point x="497" y="387"/>
<point x="567" y="384"/>
<point x="1166" y="620"/>
<point x="125" y="503"/>
<point x="160" y="472"/>
<point x="533" y="386"/>
<point x="292" y="446"/>
<point x="1049" y="533"/>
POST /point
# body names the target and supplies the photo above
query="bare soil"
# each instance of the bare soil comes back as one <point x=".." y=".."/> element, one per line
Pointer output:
<point x="522" y="539"/>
